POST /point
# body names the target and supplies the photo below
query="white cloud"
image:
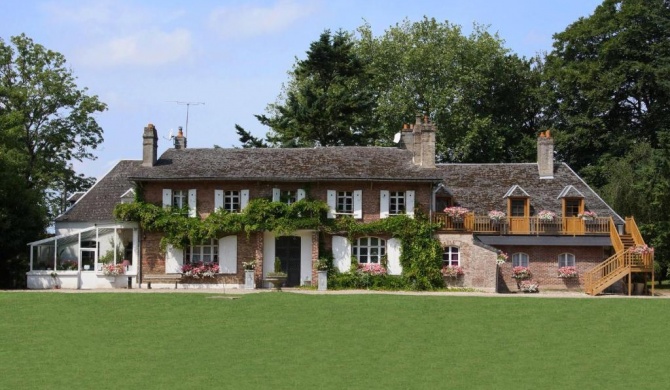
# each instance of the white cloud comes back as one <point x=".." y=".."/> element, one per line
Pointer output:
<point x="247" y="21"/>
<point x="146" y="48"/>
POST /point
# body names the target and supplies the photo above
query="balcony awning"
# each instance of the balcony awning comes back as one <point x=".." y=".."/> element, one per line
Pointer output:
<point x="546" y="240"/>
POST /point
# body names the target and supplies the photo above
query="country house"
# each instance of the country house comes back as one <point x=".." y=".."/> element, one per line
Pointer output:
<point x="542" y="216"/>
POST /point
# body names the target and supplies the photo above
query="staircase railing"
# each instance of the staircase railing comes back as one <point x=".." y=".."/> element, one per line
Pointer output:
<point x="647" y="259"/>
<point x="615" y="238"/>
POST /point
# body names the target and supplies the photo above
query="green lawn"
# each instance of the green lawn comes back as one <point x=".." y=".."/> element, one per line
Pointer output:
<point x="285" y="340"/>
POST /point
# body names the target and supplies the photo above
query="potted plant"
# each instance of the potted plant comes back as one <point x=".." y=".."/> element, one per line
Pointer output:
<point x="54" y="276"/>
<point x="641" y="249"/>
<point x="249" y="270"/>
<point x="277" y="277"/>
<point x="501" y="257"/>
<point x="529" y="286"/>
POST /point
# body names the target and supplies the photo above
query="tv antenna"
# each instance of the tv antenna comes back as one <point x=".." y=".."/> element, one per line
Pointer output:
<point x="188" y="105"/>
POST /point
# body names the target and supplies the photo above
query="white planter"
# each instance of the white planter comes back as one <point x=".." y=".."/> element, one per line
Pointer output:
<point x="323" y="280"/>
<point x="249" y="282"/>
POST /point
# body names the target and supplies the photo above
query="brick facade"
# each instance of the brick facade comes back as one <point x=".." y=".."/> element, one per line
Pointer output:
<point x="153" y="192"/>
<point x="479" y="263"/>
<point x="543" y="264"/>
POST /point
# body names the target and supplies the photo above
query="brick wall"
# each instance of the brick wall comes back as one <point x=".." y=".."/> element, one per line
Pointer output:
<point x="479" y="264"/>
<point x="543" y="264"/>
<point x="205" y="192"/>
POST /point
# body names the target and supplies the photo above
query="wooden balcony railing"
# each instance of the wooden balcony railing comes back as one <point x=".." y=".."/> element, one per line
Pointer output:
<point x="522" y="225"/>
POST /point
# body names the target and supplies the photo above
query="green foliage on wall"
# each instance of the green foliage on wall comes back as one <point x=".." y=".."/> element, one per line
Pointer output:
<point x="421" y="256"/>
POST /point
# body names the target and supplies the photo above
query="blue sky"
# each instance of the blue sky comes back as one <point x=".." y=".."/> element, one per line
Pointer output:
<point x="137" y="56"/>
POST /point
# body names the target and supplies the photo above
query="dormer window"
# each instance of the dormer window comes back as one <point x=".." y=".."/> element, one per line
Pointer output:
<point x="572" y="207"/>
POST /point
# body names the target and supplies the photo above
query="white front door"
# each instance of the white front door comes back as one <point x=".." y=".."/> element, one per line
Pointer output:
<point x="87" y="273"/>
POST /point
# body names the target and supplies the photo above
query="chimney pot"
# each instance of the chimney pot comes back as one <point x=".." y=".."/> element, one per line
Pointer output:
<point x="180" y="140"/>
<point x="545" y="156"/>
<point x="149" y="146"/>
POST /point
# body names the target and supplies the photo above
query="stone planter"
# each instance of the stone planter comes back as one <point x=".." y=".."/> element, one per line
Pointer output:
<point x="454" y="281"/>
<point x="323" y="280"/>
<point x="249" y="283"/>
<point x="276" y="280"/>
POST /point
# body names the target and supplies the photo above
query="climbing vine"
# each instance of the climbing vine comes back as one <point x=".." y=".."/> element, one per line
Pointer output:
<point x="421" y="255"/>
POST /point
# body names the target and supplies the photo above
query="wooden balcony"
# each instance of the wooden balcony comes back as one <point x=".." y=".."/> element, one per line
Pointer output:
<point x="482" y="224"/>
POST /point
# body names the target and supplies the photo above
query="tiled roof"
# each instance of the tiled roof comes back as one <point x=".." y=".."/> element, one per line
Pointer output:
<point x="482" y="187"/>
<point x="97" y="203"/>
<point x="279" y="164"/>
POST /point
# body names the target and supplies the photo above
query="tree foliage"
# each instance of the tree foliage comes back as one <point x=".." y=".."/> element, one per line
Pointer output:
<point x="46" y="122"/>
<point x="327" y="101"/>
<point x="609" y="73"/>
<point x="610" y="77"/>
<point x="483" y="99"/>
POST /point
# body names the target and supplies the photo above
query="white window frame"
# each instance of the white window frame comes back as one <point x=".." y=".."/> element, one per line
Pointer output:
<point x="519" y="258"/>
<point x="232" y="201"/>
<point x="179" y="198"/>
<point x="566" y="260"/>
<point x="397" y="202"/>
<point x="192" y="251"/>
<point x="447" y="254"/>
<point x="366" y="243"/>
<point x="344" y="202"/>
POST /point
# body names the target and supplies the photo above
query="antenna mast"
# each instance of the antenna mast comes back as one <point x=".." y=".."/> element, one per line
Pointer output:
<point x="188" y="105"/>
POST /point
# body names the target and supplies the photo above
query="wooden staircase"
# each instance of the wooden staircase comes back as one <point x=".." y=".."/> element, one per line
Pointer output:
<point x="623" y="263"/>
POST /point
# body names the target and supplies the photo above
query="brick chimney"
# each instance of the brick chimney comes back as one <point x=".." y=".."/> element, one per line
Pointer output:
<point x="545" y="155"/>
<point x="180" y="140"/>
<point x="419" y="138"/>
<point x="149" y="146"/>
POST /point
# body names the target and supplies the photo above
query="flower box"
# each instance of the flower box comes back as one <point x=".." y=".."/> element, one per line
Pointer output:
<point x="456" y="213"/>
<point x="200" y="270"/>
<point x="641" y="250"/>
<point x="521" y="273"/>
<point x="452" y="271"/>
<point x="112" y="269"/>
<point x="497" y="216"/>
<point x="567" y="272"/>
<point x="546" y="216"/>
<point x="588" y="215"/>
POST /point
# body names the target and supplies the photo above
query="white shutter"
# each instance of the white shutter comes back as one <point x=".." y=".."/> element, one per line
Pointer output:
<point x="341" y="253"/>
<point x="358" y="204"/>
<point x="174" y="259"/>
<point x="332" y="201"/>
<point x="384" y="204"/>
<point x="228" y="255"/>
<point x="167" y="198"/>
<point x="301" y="194"/>
<point x="276" y="195"/>
<point x="218" y="199"/>
<point x="244" y="199"/>
<point x="393" y="256"/>
<point x="409" y="203"/>
<point x="192" y="196"/>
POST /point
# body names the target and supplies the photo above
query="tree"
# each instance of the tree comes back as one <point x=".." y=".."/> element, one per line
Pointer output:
<point x="609" y="76"/>
<point x="49" y="119"/>
<point x="46" y="121"/>
<point x="484" y="100"/>
<point x="609" y="73"/>
<point x="327" y="101"/>
<point x="248" y="140"/>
